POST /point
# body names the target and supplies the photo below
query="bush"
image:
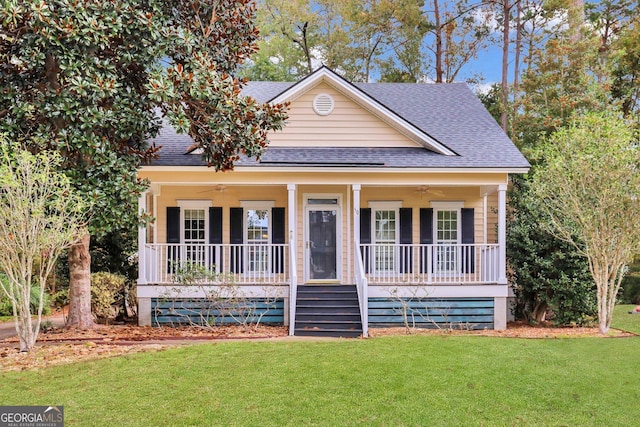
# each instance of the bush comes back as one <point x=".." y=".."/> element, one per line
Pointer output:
<point x="5" y="306"/>
<point x="61" y="298"/>
<point x="33" y="303"/>
<point x="6" y="309"/>
<point x="630" y="288"/>
<point x="551" y="280"/>
<point x="104" y="288"/>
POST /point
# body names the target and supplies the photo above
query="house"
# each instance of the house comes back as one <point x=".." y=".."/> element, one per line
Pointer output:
<point x="378" y="204"/>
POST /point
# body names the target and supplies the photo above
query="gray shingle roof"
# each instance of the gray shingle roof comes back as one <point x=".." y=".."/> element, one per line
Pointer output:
<point x="450" y="113"/>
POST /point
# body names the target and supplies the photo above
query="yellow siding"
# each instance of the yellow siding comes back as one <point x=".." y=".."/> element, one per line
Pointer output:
<point x="492" y="218"/>
<point x="230" y="197"/>
<point x="411" y="197"/>
<point x="349" y="125"/>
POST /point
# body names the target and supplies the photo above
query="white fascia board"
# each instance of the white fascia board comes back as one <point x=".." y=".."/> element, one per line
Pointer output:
<point x="366" y="101"/>
<point x="263" y="169"/>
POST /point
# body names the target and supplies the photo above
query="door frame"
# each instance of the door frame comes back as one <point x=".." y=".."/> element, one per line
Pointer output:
<point x="305" y="233"/>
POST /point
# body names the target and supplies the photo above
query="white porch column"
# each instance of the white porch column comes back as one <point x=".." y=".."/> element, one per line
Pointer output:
<point x="142" y="241"/>
<point x="364" y="292"/>
<point x="356" y="213"/>
<point x="293" y="244"/>
<point x="484" y="218"/>
<point x="502" y="234"/>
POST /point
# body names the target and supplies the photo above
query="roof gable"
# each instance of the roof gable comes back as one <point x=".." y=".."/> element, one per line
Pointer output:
<point x="448" y="113"/>
<point x="344" y="123"/>
<point x="324" y="76"/>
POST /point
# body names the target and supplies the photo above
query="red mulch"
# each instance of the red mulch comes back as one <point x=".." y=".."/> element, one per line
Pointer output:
<point x="59" y="346"/>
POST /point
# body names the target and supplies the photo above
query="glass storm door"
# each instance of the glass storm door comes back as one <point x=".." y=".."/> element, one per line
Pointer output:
<point x="321" y="260"/>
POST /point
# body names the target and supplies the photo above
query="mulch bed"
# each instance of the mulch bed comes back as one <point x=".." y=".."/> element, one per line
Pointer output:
<point x="58" y="346"/>
<point x="514" y="330"/>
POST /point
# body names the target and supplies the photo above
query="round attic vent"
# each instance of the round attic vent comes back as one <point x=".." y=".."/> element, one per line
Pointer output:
<point x="323" y="104"/>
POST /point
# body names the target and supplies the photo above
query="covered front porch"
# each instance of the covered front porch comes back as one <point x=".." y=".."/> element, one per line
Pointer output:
<point x="394" y="240"/>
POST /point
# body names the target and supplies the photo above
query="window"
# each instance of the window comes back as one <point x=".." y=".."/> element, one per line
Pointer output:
<point x="257" y="227"/>
<point x="194" y="229"/>
<point x="385" y="235"/>
<point x="257" y="235"/>
<point x="385" y="232"/>
<point x="447" y="236"/>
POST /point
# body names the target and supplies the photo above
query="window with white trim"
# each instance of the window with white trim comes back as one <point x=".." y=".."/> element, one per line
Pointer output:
<point x="257" y="228"/>
<point x="385" y="235"/>
<point x="194" y="224"/>
<point x="257" y="225"/>
<point x="447" y="235"/>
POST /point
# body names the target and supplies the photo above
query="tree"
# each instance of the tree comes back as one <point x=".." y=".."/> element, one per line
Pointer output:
<point x="41" y="215"/>
<point x="88" y="79"/>
<point x="353" y="37"/>
<point x="626" y="72"/>
<point x="457" y="31"/>
<point x="589" y="187"/>
<point x="551" y="281"/>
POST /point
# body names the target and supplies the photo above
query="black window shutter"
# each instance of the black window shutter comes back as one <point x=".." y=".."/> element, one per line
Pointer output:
<point x="278" y="236"/>
<point x="426" y="236"/>
<point x="426" y="226"/>
<point x="215" y="225"/>
<point x="173" y="236"/>
<point x="365" y="236"/>
<point x="236" y="237"/>
<point x="215" y="235"/>
<point x="173" y="224"/>
<point x="468" y="237"/>
<point x="406" y="237"/>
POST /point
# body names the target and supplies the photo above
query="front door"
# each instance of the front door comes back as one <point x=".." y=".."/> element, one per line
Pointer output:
<point x="322" y="246"/>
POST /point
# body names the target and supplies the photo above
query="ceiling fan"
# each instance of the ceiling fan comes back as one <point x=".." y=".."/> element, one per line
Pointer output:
<point x="425" y="189"/>
<point x="218" y="188"/>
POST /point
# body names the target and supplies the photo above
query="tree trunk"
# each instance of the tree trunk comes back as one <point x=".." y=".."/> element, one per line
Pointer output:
<point x="505" y="63"/>
<point x="539" y="313"/>
<point x="80" y="285"/>
<point x="438" y="33"/>
<point x="518" y="50"/>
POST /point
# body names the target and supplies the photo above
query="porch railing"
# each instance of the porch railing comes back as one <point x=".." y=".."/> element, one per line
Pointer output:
<point x="430" y="264"/>
<point x="167" y="263"/>
<point x="363" y="296"/>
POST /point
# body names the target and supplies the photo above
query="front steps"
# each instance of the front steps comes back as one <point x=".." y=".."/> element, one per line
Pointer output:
<point x="328" y="311"/>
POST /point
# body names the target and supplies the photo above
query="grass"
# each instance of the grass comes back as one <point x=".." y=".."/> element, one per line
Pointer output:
<point x="625" y="321"/>
<point x="389" y="381"/>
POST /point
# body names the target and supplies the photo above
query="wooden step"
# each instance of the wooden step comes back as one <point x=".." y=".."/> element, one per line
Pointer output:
<point x="328" y="310"/>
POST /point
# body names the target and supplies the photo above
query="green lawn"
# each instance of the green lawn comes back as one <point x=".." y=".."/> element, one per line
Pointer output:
<point x="625" y="321"/>
<point x="404" y="380"/>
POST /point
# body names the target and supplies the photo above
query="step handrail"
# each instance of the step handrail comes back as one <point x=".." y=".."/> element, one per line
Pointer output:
<point x="362" y="289"/>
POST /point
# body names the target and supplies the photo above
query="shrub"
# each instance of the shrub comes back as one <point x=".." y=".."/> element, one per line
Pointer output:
<point x="630" y="289"/>
<point x="5" y="306"/>
<point x="550" y="279"/>
<point x="34" y="298"/>
<point x="6" y="309"/>
<point x="61" y="298"/>
<point x="104" y="287"/>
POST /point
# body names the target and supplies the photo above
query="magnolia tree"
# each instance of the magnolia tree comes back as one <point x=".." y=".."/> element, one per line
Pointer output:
<point x="92" y="80"/>
<point x="590" y="188"/>
<point x="40" y="216"/>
